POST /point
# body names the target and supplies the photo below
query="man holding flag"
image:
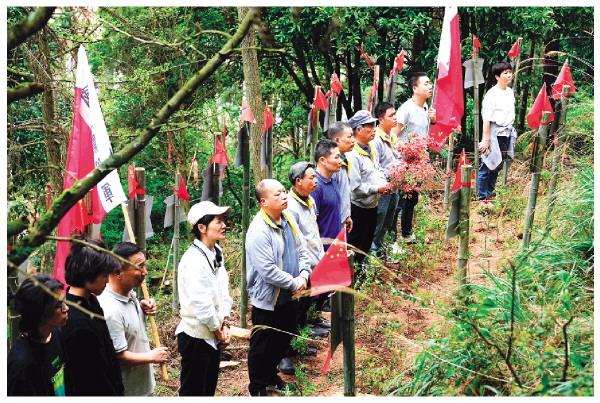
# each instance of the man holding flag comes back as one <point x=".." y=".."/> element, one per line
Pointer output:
<point x="499" y="135"/>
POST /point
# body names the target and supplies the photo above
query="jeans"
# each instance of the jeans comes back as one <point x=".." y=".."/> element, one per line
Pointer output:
<point x="486" y="178"/>
<point x="385" y="215"/>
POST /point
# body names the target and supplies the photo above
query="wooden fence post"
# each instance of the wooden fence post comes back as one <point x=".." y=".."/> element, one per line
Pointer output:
<point x="556" y="156"/>
<point x="537" y="161"/>
<point x="245" y="224"/>
<point x="448" y="170"/>
<point x="463" y="223"/>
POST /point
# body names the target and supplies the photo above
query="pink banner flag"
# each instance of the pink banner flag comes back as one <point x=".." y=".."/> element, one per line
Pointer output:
<point x="89" y="145"/>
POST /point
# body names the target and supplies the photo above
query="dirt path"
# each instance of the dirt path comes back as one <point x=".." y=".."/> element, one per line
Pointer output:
<point x="389" y="310"/>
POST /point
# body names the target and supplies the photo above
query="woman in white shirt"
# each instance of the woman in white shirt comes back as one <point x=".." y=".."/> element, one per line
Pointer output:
<point x="205" y="303"/>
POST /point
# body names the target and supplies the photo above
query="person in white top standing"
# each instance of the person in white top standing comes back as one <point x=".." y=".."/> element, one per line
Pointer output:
<point x="413" y="117"/>
<point x="205" y="303"/>
<point x="499" y="135"/>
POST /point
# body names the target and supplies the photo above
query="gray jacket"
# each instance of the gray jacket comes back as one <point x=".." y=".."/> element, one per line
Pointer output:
<point x="365" y="177"/>
<point x="305" y="215"/>
<point x="264" y="260"/>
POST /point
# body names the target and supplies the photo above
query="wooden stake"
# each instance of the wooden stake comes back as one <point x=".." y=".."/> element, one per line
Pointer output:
<point x="537" y="162"/>
<point x="348" y="341"/>
<point x="448" y="170"/>
<point x="176" y="206"/>
<point x="465" y="204"/>
<point x="245" y="224"/>
<point x="556" y="156"/>
<point x="476" y="115"/>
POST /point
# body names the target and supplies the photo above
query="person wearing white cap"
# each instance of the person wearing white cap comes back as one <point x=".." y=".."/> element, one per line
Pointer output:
<point x="205" y="303"/>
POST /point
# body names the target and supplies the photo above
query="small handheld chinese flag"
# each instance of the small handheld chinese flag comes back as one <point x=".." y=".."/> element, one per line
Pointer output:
<point x="563" y="78"/>
<point x="514" y="50"/>
<point x="320" y="100"/>
<point x="333" y="270"/>
<point x="541" y="104"/>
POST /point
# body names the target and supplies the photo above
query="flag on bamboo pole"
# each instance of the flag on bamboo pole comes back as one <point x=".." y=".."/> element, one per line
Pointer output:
<point x="320" y="101"/>
<point x="133" y="186"/>
<point x="541" y="104"/>
<point x="332" y="273"/>
<point x="453" y="227"/>
<point x="243" y="145"/>
<point x="181" y="189"/>
<point x="563" y="78"/>
<point x="448" y="101"/>
<point x="247" y="114"/>
<point x="335" y="84"/>
<point x="365" y="56"/>
<point x="219" y="155"/>
<point x="514" y="50"/>
<point x="476" y="46"/>
<point x="398" y="64"/>
<point x="462" y="160"/>
<point x="170" y="212"/>
<point x="89" y="145"/>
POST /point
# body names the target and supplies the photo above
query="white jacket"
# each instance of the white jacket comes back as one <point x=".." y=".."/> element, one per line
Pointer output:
<point x="204" y="298"/>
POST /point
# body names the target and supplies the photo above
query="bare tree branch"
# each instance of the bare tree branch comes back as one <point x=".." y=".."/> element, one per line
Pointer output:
<point x="35" y="21"/>
<point x="23" y="91"/>
<point x="37" y="234"/>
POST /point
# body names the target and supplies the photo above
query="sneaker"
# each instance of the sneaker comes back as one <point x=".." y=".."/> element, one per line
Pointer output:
<point x="397" y="249"/>
<point x="409" y="239"/>
<point x="325" y="324"/>
<point x="286" y="366"/>
<point x="317" y="331"/>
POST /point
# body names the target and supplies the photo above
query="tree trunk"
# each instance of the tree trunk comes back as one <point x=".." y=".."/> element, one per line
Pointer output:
<point x="252" y="80"/>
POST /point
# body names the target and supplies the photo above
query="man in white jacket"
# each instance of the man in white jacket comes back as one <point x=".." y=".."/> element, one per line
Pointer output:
<point x="205" y="303"/>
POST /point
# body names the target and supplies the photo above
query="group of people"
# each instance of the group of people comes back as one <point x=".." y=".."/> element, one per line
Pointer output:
<point x="102" y="348"/>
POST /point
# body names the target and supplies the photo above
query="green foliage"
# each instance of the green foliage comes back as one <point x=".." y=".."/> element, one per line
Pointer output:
<point x="300" y="343"/>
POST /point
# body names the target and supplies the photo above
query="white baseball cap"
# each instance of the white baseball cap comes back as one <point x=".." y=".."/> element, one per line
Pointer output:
<point x="204" y="208"/>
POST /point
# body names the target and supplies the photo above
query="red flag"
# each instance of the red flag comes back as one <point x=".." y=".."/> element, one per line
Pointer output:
<point x="320" y="100"/>
<point x="462" y="160"/>
<point x="564" y="78"/>
<point x="366" y="57"/>
<point x="247" y="114"/>
<point x="541" y="104"/>
<point x="514" y="50"/>
<point x="132" y="183"/>
<point x="170" y="149"/>
<point x="333" y="270"/>
<point x="476" y="45"/>
<point x="448" y="101"/>
<point x="89" y="145"/>
<point x="268" y="119"/>
<point x="336" y="85"/>
<point x="220" y="155"/>
<point x="373" y="90"/>
<point x="398" y="63"/>
<point x="182" y="192"/>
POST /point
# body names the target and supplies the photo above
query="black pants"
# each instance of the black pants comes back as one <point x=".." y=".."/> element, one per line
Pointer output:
<point x="363" y="229"/>
<point x="407" y="203"/>
<point x="268" y="347"/>
<point x="199" y="366"/>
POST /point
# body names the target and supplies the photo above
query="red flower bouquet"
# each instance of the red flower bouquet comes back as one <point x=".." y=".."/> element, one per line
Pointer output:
<point x="414" y="171"/>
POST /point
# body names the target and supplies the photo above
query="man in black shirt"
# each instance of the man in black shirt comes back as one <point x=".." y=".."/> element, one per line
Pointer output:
<point x="92" y="365"/>
<point x="35" y="364"/>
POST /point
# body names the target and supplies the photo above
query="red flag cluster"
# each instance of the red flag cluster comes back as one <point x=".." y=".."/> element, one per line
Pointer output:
<point x="563" y="78"/>
<point x="320" y="100"/>
<point x="541" y="104"/>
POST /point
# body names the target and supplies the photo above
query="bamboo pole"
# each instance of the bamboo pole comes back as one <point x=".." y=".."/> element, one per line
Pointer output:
<point x="140" y="210"/>
<point x="537" y="162"/>
<point x="176" y="207"/>
<point x="465" y="203"/>
<point x="506" y="164"/>
<point x="556" y="156"/>
<point x="245" y="224"/>
<point x="448" y="170"/>
<point x="476" y="117"/>
<point x="348" y="341"/>
<point x="146" y="294"/>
